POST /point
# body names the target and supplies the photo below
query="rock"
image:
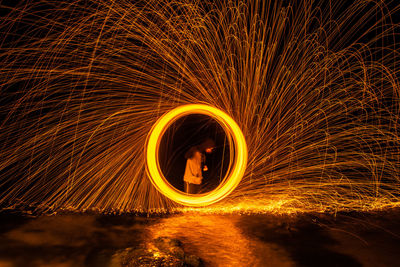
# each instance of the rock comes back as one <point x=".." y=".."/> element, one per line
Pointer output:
<point x="163" y="243"/>
<point x="193" y="261"/>
<point x="131" y="257"/>
<point x="170" y="246"/>
<point x="168" y="252"/>
<point x="177" y="252"/>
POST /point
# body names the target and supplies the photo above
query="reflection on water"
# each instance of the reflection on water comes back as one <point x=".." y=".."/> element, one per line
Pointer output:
<point x="67" y="240"/>
<point x="218" y="241"/>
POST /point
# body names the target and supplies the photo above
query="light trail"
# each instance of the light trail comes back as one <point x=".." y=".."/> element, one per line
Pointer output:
<point x="312" y="85"/>
<point x="237" y="162"/>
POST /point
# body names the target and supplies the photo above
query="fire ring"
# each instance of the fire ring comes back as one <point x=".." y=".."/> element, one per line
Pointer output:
<point x="236" y="167"/>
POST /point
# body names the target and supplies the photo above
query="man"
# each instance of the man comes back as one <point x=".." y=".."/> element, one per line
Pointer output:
<point x="194" y="159"/>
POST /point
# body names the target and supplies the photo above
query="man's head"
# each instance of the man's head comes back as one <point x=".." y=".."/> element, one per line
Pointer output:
<point x="209" y="150"/>
<point x="207" y="146"/>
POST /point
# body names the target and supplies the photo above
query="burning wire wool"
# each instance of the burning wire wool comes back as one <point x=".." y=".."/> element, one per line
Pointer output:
<point x="312" y="85"/>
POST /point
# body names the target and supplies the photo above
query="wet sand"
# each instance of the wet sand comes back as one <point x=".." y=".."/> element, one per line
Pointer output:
<point x="347" y="239"/>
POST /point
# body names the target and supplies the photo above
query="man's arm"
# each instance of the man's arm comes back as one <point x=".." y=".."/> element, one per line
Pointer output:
<point x="203" y="161"/>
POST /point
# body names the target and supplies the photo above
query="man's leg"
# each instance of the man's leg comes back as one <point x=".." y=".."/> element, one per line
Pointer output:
<point x="187" y="187"/>
<point x="191" y="188"/>
<point x="196" y="188"/>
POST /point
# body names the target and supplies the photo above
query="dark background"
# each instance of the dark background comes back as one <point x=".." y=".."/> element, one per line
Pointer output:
<point x="194" y="128"/>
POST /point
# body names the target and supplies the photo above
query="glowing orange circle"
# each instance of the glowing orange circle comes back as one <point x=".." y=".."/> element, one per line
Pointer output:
<point x="233" y="176"/>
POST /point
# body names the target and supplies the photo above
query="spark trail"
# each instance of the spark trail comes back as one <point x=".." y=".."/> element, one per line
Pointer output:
<point x="313" y="85"/>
